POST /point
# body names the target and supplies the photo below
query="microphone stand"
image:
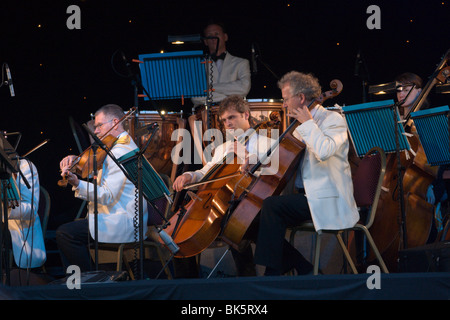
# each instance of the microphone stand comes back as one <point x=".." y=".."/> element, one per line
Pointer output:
<point x="138" y="184"/>
<point x="7" y="168"/>
<point x="258" y="58"/>
<point x="95" y="173"/>
<point x="100" y="144"/>
<point x="400" y="168"/>
<point x="162" y="234"/>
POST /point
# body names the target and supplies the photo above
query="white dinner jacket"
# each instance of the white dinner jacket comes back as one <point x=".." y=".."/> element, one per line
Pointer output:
<point x="326" y="172"/>
<point x="235" y="78"/>
<point x="116" y="199"/>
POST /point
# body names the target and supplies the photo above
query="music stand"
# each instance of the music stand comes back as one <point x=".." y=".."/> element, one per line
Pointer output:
<point x="151" y="187"/>
<point x="378" y="124"/>
<point x="370" y="125"/>
<point x="433" y="129"/>
<point x="8" y="166"/>
<point x="173" y="75"/>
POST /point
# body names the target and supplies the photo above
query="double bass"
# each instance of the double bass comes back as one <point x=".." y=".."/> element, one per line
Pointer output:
<point x="406" y="222"/>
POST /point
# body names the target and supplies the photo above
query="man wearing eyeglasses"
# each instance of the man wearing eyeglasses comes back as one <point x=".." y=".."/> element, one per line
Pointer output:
<point x="115" y="196"/>
<point x="323" y="180"/>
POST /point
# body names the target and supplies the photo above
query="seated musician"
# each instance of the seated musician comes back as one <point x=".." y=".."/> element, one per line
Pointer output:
<point x="115" y="196"/>
<point x="23" y="220"/>
<point x="235" y="114"/>
<point x="323" y="180"/>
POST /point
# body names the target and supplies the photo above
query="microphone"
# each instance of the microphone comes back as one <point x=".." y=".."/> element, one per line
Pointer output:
<point x="168" y="241"/>
<point x="358" y="63"/>
<point x="254" y="65"/>
<point x="127" y="64"/>
<point x="8" y="75"/>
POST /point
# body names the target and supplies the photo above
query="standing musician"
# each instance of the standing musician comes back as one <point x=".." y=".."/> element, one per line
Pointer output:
<point x="323" y="180"/>
<point x="230" y="74"/>
<point x="115" y="196"/>
<point x="235" y="114"/>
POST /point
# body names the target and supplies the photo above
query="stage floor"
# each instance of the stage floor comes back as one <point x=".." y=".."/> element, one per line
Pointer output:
<point x="394" y="286"/>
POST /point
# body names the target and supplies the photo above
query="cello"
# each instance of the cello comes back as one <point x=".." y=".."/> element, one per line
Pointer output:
<point x="251" y="190"/>
<point x="196" y="225"/>
<point x="397" y="226"/>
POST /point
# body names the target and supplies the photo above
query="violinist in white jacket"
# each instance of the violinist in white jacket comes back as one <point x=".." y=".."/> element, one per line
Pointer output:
<point x="115" y="196"/>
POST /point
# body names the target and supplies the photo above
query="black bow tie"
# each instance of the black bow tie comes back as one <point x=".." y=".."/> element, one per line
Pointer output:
<point x="221" y="56"/>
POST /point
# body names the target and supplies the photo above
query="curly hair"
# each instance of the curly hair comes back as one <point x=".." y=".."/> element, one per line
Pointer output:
<point x="234" y="102"/>
<point x="304" y="83"/>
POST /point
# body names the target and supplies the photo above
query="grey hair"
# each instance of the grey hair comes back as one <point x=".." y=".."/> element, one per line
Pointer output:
<point x="301" y="83"/>
<point x="111" y="110"/>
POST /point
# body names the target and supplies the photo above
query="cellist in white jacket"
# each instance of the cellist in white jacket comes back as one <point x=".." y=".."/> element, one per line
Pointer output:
<point x="323" y="179"/>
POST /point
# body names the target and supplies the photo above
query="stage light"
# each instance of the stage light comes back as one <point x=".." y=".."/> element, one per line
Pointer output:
<point x="443" y="88"/>
<point x="384" y="88"/>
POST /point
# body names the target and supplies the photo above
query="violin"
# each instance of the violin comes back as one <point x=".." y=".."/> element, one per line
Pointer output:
<point x="84" y="163"/>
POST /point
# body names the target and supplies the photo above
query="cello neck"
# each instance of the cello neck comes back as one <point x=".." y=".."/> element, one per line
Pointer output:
<point x="289" y="129"/>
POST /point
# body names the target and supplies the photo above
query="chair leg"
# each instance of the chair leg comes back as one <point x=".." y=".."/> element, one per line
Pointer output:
<point x="374" y="248"/>
<point x="317" y="253"/>
<point x="121" y="258"/>
<point x="346" y="253"/>
<point x="292" y="236"/>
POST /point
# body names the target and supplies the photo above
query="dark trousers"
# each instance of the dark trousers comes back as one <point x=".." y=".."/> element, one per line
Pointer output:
<point x="73" y="239"/>
<point x="272" y="250"/>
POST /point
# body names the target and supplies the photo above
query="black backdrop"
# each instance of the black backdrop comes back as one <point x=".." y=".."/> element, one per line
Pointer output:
<point x="60" y="73"/>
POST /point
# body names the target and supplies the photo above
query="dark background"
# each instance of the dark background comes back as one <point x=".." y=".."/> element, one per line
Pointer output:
<point x="60" y="73"/>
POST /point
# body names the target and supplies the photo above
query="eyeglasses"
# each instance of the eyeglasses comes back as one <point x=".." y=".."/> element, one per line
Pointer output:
<point x="403" y="87"/>
<point x="101" y="124"/>
<point x="287" y="99"/>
